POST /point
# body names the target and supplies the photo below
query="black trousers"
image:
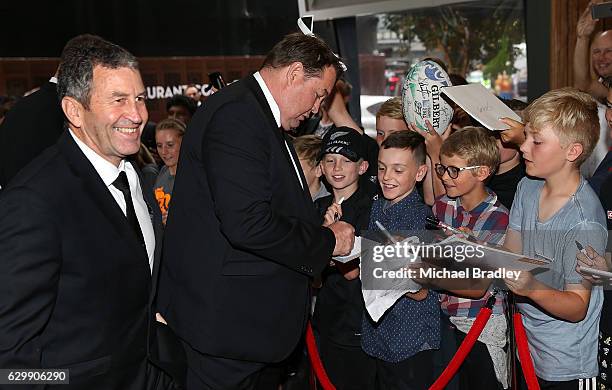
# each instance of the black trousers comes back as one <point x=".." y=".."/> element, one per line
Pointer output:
<point x="477" y="370"/>
<point x="583" y="384"/>
<point x="414" y="373"/>
<point x="576" y="384"/>
<point x="604" y="356"/>
<point x="206" y="372"/>
<point x="348" y="367"/>
<point x="448" y="347"/>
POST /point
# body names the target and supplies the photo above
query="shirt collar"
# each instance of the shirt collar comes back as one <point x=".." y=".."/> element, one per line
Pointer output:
<point x="107" y="171"/>
<point x="271" y="102"/>
<point x="490" y="200"/>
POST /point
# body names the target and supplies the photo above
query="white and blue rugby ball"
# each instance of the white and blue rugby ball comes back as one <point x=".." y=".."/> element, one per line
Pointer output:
<point x="422" y="99"/>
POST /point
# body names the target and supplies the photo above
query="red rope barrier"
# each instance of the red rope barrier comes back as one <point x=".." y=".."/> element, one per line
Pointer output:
<point x="523" y="351"/>
<point x="315" y="360"/>
<point x="464" y="349"/>
<point x="456" y="361"/>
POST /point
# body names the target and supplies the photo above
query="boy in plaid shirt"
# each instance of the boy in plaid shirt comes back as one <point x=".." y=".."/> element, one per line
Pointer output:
<point x="467" y="158"/>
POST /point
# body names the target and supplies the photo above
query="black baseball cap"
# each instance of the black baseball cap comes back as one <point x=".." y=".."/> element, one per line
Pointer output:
<point x="345" y="141"/>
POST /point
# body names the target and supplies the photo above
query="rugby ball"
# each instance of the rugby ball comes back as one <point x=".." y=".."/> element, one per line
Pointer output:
<point x="422" y="99"/>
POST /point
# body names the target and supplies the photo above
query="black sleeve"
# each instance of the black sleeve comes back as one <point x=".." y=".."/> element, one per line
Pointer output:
<point x="31" y="126"/>
<point x="29" y="275"/>
<point x="322" y="204"/>
<point x="236" y="159"/>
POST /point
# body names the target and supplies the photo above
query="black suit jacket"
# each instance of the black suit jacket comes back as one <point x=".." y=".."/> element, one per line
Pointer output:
<point x="31" y="126"/>
<point x="243" y="237"/>
<point x="74" y="281"/>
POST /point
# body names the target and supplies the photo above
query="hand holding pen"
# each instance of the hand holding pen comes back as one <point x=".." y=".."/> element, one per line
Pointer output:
<point x="338" y="213"/>
<point x="464" y="232"/>
<point x="333" y="213"/>
<point x="588" y="257"/>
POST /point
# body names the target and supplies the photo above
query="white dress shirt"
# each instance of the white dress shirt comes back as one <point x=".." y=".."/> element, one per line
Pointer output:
<point x="276" y="112"/>
<point x="109" y="173"/>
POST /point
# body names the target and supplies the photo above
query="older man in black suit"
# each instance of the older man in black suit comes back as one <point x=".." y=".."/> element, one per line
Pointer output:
<point x="78" y="233"/>
<point x="243" y="238"/>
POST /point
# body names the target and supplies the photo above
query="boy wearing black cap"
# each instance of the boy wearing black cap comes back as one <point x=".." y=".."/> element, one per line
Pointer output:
<point x="339" y="308"/>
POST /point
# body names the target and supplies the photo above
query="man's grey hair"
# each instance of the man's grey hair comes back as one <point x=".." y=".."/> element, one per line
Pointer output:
<point x="79" y="58"/>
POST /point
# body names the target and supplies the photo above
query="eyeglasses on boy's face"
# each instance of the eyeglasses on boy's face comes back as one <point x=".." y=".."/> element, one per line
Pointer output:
<point x="452" y="171"/>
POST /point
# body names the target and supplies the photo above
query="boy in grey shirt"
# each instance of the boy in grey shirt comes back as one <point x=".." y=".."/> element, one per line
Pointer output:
<point x="562" y="310"/>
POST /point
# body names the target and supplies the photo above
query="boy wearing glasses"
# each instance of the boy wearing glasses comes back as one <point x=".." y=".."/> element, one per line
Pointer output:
<point x="560" y="309"/>
<point x="467" y="158"/>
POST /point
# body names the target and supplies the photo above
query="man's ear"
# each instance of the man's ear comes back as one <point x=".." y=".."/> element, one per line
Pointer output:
<point x="295" y="73"/>
<point x="73" y="111"/>
<point x="363" y="167"/>
<point x="574" y="151"/>
<point x="421" y="172"/>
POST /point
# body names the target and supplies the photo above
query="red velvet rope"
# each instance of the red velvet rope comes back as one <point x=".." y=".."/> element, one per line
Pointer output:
<point x="464" y="349"/>
<point x="457" y="360"/>
<point x="523" y="351"/>
<point x="315" y="360"/>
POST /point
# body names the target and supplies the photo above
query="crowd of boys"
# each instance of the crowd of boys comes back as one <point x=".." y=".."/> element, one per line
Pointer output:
<point x="544" y="206"/>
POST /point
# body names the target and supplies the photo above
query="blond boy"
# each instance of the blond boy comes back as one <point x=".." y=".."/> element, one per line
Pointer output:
<point x="467" y="159"/>
<point x="389" y="119"/>
<point x="549" y="215"/>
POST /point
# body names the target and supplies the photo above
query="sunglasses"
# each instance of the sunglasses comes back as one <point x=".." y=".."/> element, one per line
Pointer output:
<point x="452" y="171"/>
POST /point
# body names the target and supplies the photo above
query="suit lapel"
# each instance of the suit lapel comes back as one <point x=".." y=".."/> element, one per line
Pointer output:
<point x="98" y="192"/>
<point x="305" y="189"/>
<point x="279" y="133"/>
<point x="155" y="215"/>
<point x="252" y="84"/>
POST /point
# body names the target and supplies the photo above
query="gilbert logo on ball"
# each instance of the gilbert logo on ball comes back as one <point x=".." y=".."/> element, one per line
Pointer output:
<point x="421" y="96"/>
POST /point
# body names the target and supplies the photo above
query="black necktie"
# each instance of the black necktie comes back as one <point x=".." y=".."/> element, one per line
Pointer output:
<point x="122" y="184"/>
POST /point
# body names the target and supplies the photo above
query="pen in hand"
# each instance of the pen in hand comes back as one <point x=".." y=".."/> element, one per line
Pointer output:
<point x="336" y="215"/>
<point x="581" y="249"/>
<point x="436" y="223"/>
<point x="386" y="232"/>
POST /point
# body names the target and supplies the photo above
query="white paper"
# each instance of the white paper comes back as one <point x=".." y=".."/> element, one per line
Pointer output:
<point x="481" y="104"/>
<point x="497" y="257"/>
<point x="595" y="272"/>
<point x="377" y="302"/>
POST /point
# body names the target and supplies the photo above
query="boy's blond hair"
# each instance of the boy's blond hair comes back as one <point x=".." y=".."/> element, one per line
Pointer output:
<point x="308" y="148"/>
<point x="571" y="114"/>
<point x="476" y="145"/>
<point x="391" y="108"/>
